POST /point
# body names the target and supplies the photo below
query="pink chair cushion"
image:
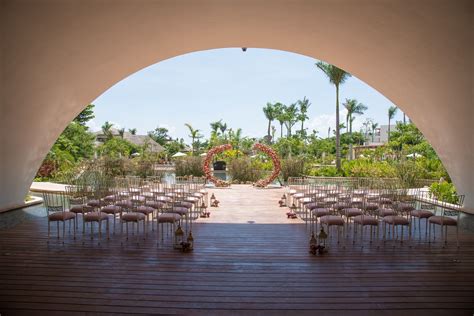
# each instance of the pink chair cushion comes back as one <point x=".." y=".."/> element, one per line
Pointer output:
<point x="133" y="217"/>
<point x="386" y="212"/>
<point x="155" y="204"/>
<point x="421" y="213"/>
<point x="145" y="209"/>
<point x="77" y="209"/>
<point x="351" y="212"/>
<point x="443" y="220"/>
<point x="124" y="203"/>
<point x="180" y="210"/>
<point x="95" y="217"/>
<point x="169" y="218"/>
<point x="366" y="220"/>
<point x="111" y="209"/>
<point x="93" y="203"/>
<point x="404" y="207"/>
<point x="396" y="220"/>
<point x="185" y="204"/>
<point x="332" y="220"/>
<point x="61" y="216"/>
<point x="318" y="212"/>
<point x="312" y="206"/>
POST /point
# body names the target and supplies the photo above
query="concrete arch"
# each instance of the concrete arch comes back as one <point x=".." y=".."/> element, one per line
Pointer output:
<point x="59" y="56"/>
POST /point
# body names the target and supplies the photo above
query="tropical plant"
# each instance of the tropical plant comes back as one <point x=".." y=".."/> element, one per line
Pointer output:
<point x="444" y="191"/>
<point x="303" y="109"/>
<point x="391" y="114"/>
<point x="244" y="170"/>
<point x="337" y="77"/>
<point x="189" y="166"/>
<point x="107" y="129"/>
<point x="132" y="131"/>
<point x="160" y="135"/>
<point x="373" y="126"/>
<point x="86" y="115"/>
<point x="194" y="135"/>
<point x="353" y="107"/>
<point x="292" y="167"/>
<point x="270" y="113"/>
<point x="121" y="132"/>
<point x="290" y="117"/>
<point x="280" y="115"/>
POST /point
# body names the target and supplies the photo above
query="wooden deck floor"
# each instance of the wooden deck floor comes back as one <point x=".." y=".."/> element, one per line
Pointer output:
<point x="248" y="259"/>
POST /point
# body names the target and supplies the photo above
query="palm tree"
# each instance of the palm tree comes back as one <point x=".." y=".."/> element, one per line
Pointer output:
<point x="194" y="134"/>
<point x="367" y="124"/>
<point x="235" y="138"/>
<point x="280" y="115"/>
<point x="374" y="127"/>
<point x="121" y="132"/>
<point x="353" y="107"/>
<point x="303" y="107"/>
<point x="215" y="126"/>
<point x="391" y="114"/>
<point x="223" y="128"/>
<point x="106" y="129"/>
<point x="132" y="131"/>
<point x="270" y="113"/>
<point x="290" y="115"/>
<point x="337" y="77"/>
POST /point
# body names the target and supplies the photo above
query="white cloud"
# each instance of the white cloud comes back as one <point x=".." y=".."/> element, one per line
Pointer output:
<point x="95" y="127"/>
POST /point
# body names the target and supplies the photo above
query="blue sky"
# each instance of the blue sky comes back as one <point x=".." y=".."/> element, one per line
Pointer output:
<point x="228" y="84"/>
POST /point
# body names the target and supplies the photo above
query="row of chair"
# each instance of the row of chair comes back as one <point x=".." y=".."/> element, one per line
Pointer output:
<point x="129" y="201"/>
<point x="394" y="211"/>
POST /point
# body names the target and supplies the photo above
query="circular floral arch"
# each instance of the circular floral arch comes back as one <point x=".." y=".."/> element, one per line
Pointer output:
<point x="259" y="147"/>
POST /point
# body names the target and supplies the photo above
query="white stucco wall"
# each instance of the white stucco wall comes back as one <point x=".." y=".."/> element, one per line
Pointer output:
<point x="57" y="56"/>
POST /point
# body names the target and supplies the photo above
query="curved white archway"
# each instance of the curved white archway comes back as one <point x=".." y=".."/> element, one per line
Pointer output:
<point x="59" y="56"/>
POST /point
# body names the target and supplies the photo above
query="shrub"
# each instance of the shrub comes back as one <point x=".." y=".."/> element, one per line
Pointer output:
<point x="292" y="167"/>
<point x="368" y="169"/>
<point x="189" y="166"/>
<point x="326" y="171"/>
<point x="245" y="170"/>
<point x="408" y="172"/>
<point x="444" y="191"/>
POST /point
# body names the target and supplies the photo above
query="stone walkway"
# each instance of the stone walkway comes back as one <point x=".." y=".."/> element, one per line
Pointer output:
<point x="245" y="204"/>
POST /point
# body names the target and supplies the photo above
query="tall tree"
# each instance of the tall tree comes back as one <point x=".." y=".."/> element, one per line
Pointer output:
<point x="215" y="126"/>
<point x="86" y="115"/>
<point x="374" y="127"/>
<point x="121" y="132"/>
<point x="303" y="109"/>
<point x="391" y="114"/>
<point x="367" y="124"/>
<point x="290" y="115"/>
<point x="223" y="128"/>
<point x="160" y="135"/>
<point x="280" y="115"/>
<point x="337" y="77"/>
<point x="270" y="113"/>
<point x="353" y="107"/>
<point x="107" y="129"/>
<point x="195" y="135"/>
<point x="132" y="131"/>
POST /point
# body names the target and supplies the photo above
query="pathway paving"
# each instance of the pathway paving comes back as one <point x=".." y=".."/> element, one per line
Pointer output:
<point x="245" y="204"/>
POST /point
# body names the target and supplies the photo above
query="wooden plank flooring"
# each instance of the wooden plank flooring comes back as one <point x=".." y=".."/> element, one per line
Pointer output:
<point x="248" y="259"/>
